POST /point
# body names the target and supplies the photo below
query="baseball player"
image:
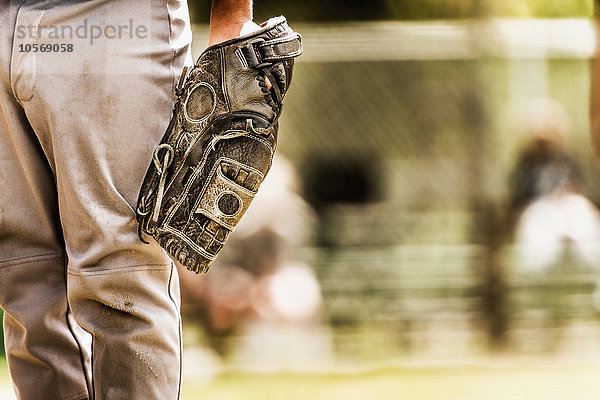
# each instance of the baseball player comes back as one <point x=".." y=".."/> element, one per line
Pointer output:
<point x="595" y="88"/>
<point x="90" y="312"/>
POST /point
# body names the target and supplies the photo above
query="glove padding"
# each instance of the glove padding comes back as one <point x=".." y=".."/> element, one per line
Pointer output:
<point x="219" y="144"/>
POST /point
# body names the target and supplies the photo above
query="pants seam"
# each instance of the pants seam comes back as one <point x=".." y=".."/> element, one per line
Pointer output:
<point x="93" y="383"/>
<point x="30" y="259"/>
<point x="76" y="396"/>
<point x="11" y="70"/>
<point x="119" y="270"/>
<point x="173" y="55"/>
<point x="35" y="67"/>
<point x="180" y="338"/>
<point x="81" y="356"/>
<point x="173" y="270"/>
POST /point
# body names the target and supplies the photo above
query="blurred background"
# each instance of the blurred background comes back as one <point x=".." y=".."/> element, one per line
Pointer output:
<point x="430" y="226"/>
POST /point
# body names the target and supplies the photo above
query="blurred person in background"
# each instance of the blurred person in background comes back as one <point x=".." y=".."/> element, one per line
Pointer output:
<point x="595" y="111"/>
<point x="548" y="207"/>
<point x="260" y="303"/>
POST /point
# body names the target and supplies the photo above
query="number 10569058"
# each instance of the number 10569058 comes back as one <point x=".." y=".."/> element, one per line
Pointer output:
<point x="45" y="47"/>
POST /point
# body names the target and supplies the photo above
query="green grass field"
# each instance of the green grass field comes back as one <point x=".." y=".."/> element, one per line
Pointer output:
<point x="507" y="381"/>
<point x="474" y="383"/>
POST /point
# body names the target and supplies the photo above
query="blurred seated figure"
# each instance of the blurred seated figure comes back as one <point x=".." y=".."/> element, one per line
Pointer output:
<point x="259" y="305"/>
<point x="286" y="331"/>
<point x="548" y="209"/>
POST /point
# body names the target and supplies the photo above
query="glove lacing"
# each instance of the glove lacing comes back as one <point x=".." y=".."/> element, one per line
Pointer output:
<point x="234" y="133"/>
<point x="167" y="159"/>
<point x="161" y="170"/>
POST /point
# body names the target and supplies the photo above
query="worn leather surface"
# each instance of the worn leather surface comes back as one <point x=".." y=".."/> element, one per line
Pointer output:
<point x="219" y="145"/>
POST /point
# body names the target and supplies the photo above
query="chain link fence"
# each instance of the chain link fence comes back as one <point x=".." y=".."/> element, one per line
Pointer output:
<point x="404" y="136"/>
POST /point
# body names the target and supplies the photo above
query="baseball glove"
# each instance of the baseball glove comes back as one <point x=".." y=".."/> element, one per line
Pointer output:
<point x="219" y="144"/>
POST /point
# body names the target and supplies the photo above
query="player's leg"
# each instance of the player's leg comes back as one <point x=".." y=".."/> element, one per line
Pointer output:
<point x="105" y="103"/>
<point x="43" y="354"/>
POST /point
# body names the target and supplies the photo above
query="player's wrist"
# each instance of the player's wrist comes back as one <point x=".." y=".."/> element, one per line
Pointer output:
<point x="222" y="32"/>
<point x="231" y="31"/>
<point x="227" y="17"/>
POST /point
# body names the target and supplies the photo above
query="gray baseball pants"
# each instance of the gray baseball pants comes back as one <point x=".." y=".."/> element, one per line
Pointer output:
<point x="86" y="92"/>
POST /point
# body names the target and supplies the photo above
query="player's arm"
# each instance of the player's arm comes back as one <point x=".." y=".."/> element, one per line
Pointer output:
<point x="227" y="18"/>
<point x="595" y="89"/>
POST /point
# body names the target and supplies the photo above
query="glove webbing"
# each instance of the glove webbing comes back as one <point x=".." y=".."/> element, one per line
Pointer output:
<point x="261" y="53"/>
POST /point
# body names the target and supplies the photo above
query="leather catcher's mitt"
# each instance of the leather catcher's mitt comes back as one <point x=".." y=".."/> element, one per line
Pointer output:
<point x="219" y="144"/>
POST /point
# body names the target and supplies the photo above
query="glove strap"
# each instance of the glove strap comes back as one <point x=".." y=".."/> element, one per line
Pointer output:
<point x="261" y="53"/>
